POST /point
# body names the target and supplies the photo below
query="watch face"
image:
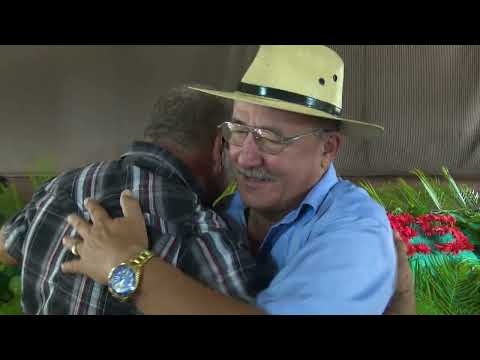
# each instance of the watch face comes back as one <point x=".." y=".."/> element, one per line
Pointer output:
<point x="123" y="280"/>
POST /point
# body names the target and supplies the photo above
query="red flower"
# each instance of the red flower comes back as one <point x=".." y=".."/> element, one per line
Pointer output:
<point x="423" y="248"/>
<point x="431" y="225"/>
<point x="408" y="232"/>
<point x="411" y="250"/>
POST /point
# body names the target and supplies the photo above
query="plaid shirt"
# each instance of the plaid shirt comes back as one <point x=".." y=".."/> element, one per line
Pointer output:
<point x="181" y="230"/>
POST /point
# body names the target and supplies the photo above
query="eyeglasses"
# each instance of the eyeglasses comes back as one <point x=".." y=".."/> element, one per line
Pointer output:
<point x="267" y="141"/>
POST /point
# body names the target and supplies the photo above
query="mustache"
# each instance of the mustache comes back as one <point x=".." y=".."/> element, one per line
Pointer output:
<point x="257" y="173"/>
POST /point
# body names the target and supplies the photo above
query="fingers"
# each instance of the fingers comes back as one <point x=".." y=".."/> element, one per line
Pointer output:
<point x="130" y="205"/>
<point x="72" y="267"/>
<point x="97" y="213"/>
<point x="396" y="235"/>
<point x="80" y="225"/>
<point x="399" y="244"/>
<point x="69" y="242"/>
<point x="4" y="257"/>
<point x="2" y="234"/>
<point x="405" y="282"/>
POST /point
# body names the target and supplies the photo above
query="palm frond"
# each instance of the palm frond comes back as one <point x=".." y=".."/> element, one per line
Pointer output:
<point x="455" y="190"/>
<point x="409" y="194"/>
<point x="372" y="192"/>
<point x="432" y="190"/>
<point x="417" y="202"/>
<point x="446" y="285"/>
<point x="472" y="198"/>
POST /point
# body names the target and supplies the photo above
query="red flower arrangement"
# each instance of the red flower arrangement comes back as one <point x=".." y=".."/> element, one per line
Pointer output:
<point x="431" y="225"/>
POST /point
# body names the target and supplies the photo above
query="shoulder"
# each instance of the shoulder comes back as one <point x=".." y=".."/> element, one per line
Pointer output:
<point x="342" y="261"/>
<point x="347" y="202"/>
<point x="78" y="180"/>
<point x="351" y="223"/>
<point x="350" y="218"/>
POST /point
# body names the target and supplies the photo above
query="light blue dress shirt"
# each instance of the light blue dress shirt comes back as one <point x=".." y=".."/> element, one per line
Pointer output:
<point x="334" y="254"/>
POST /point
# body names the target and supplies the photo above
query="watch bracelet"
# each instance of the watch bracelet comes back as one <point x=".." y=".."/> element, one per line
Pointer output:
<point x="142" y="258"/>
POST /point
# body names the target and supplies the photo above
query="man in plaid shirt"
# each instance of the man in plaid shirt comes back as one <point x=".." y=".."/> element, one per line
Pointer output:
<point x="176" y="173"/>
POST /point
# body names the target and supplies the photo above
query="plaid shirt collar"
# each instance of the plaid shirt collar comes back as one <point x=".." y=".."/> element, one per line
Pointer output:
<point x="156" y="159"/>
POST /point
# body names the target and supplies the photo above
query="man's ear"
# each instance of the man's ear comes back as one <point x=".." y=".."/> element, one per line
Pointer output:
<point x="332" y="145"/>
<point x="217" y="154"/>
<point x="329" y="149"/>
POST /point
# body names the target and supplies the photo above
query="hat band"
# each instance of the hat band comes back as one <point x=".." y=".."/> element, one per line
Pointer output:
<point x="290" y="97"/>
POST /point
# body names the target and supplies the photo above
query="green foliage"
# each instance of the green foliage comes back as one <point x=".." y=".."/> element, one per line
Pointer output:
<point x="430" y="195"/>
<point x="10" y="290"/>
<point x="43" y="171"/>
<point x="372" y="192"/>
<point x="447" y="286"/>
<point x="444" y="284"/>
<point x="472" y="198"/>
<point x="230" y="190"/>
<point x="432" y="189"/>
<point x="10" y="204"/>
<point x="454" y="189"/>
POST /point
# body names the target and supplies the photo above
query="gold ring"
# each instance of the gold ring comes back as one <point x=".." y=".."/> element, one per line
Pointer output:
<point x="74" y="250"/>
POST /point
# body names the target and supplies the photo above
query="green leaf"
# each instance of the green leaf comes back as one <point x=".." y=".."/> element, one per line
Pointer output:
<point x="446" y="285"/>
<point x="10" y="202"/>
<point x="230" y="190"/>
<point x="457" y="193"/>
<point x="372" y="192"/>
<point x="472" y="198"/>
<point x="13" y="307"/>
<point x="43" y="171"/>
<point x="430" y="188"/>
<point x="15" y="286"/>
<point x="413" y="197"/>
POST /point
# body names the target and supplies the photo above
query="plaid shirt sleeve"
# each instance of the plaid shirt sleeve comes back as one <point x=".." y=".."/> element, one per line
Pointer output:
<point x="15" y="229"/>
<point x="216" y="256"/>
<point x="220" y="270"/>
<point x="209" y="251"/>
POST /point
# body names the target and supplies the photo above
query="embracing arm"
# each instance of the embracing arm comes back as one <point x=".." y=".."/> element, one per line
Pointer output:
<point x="403" y="301"/>
<point x="165" y="289"/>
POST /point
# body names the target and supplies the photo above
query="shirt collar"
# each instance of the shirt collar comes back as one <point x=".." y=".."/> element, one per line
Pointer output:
<point x="160" y="161"/>
<point x="318" y="193"/>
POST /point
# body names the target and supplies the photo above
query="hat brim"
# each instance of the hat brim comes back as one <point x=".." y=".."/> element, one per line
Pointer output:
<point x="349" y="127"/>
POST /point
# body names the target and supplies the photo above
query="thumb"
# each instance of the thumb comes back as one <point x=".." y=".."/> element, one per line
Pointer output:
<point x="130" y="205"/>
<point x="72" y="267"/>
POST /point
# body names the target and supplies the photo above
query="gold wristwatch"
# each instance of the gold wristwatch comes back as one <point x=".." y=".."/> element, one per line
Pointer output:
<point x="124" y="279"/>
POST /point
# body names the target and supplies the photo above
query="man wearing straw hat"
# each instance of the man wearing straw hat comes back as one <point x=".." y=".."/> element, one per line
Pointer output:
<point x="329" y="246"/>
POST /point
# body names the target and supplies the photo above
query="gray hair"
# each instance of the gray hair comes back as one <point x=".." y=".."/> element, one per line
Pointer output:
<point x="187" y="117"/>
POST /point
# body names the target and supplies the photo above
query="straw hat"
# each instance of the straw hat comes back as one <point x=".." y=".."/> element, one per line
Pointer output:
<point x="305" y="79"/>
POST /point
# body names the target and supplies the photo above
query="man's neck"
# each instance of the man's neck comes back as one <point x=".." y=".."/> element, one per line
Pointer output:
<point x="266" y="217"/>
<point x="272" y="217"/>
<point x="195" y="163"/>
<point x="259" y="222"/>
<point x="258" y="226"/>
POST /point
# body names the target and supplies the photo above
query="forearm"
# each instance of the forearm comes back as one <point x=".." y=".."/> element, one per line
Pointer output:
<point x="402" y="304"/>
<point x="166" y="290"/>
